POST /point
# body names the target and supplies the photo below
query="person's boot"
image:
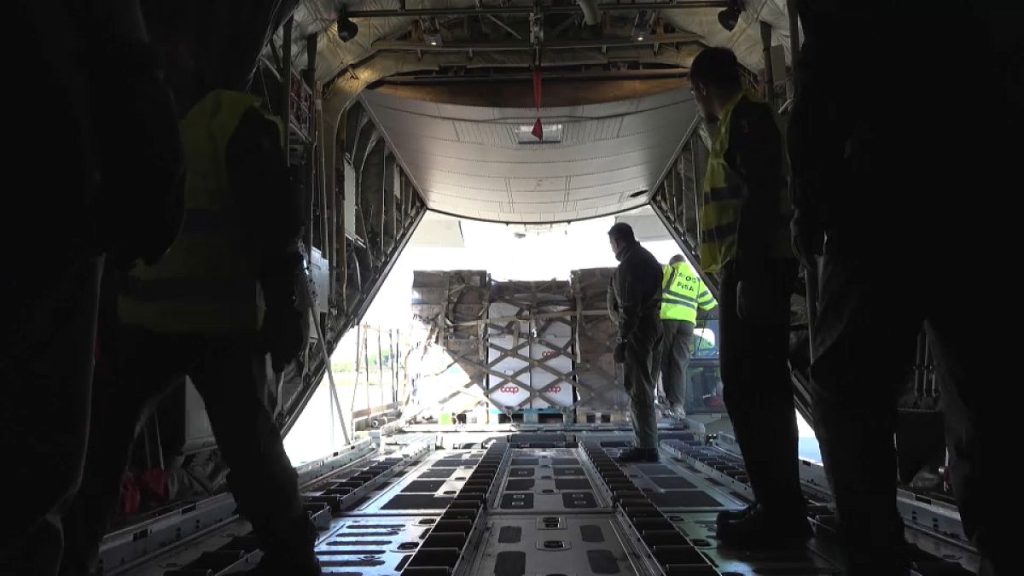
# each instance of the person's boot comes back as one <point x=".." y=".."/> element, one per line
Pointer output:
<point x="676" y="411"/>
<point x="639" y="455"/>
<point x="726" y="516"/>
<point x="290" y="551"/>
<point x="758" y="528"/>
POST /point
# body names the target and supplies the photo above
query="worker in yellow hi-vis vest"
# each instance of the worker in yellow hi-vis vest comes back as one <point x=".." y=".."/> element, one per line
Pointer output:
<point x="684" y="296"/>
<point x="744" y="233"/>
<point x="225" y="297"/>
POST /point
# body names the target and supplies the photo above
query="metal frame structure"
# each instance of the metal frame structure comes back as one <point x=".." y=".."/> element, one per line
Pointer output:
<point x="529" y="10"/>
<point x="651" y="40"/>
<point x="678" y="198"/>
<point x="362" y="231"/>
<point x="123" y="549"/>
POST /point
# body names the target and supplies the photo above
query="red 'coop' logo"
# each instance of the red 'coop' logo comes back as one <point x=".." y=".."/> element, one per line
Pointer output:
<point x="549" y="354"/>
<point x="509" y="389"/>
<point x="555" y="389"/>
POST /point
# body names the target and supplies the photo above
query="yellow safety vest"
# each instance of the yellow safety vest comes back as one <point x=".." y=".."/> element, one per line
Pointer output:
<point x="207" y="281"/>
<point x="724" y="194"/>
<point x="683" y="293"/>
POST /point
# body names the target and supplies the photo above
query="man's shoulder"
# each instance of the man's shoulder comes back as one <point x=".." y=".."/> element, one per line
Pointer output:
<point x="751" y="117"/>
<point x="646" y="255"/>
<point x="644" y="258"/>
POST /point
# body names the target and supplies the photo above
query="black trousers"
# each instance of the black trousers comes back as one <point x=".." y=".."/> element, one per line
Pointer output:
<point x="758" y="392"/>
<point x="228" y="371"/>
<point x="865" y="339"/>
<point x="638" y="378"/>
<point x="46" y="364"/>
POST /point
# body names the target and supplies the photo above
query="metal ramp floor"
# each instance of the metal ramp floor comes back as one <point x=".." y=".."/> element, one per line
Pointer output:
<point x="537" y="504"/>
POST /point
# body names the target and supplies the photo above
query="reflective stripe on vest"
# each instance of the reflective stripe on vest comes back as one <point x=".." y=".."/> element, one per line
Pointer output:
<point x="724" y="193"/>
<point x="207" y="281"/>
<point x="683" y="292"/>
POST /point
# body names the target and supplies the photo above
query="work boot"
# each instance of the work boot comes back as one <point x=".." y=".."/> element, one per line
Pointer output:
<point x="675" y="411"/>
<point x="639" y="455"/>
<point x="758" y="528"/>
<point x="726" y="516"/>
<point x="290" y="550"/>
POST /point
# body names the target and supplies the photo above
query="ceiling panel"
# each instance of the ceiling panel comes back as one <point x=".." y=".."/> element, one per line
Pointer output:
<point x="466" y="160"/>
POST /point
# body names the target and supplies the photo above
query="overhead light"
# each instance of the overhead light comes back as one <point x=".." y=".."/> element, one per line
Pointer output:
<point x="433" y="38"/>
<point x="729" y="17"/>
<point x="552" y="134"/>
<point x="347" y="29"/>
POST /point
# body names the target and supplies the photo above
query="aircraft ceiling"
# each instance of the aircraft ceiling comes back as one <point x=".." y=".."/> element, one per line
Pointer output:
<point x="483" y="163"/>
<point x="467" y="159"/>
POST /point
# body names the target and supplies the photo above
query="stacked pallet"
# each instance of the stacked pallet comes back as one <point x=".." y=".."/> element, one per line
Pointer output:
<point x="531" y="346"/>
<point x="598" y="381"/>
<point x="454" y="303"/>
<point x="530" y="343"/>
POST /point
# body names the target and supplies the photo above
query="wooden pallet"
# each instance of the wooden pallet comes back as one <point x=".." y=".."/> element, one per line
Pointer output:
<point x="539" y="416"/>
<point x="607" y="416"/>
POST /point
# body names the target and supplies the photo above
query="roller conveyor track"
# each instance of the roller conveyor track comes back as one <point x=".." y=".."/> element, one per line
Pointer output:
<point x="530" y="505"/>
